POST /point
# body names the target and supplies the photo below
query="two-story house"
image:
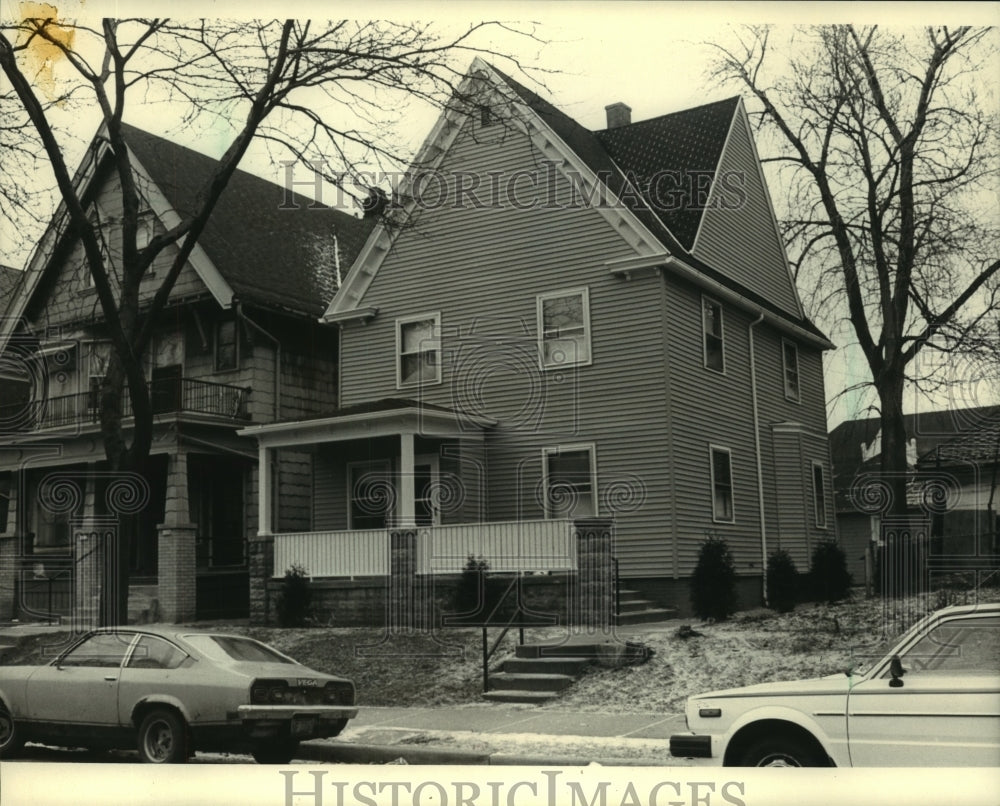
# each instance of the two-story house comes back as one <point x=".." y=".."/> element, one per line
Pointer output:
<point x="239" y="342"/>
<point x="560" y="323"/>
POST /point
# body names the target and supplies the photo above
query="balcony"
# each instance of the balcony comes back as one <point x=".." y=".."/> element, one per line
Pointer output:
<point x="167" y="395"/>
<point x="509" y="546"/>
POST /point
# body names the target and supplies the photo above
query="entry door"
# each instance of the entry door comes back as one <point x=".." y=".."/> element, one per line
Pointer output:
<point x="426" y="490"/>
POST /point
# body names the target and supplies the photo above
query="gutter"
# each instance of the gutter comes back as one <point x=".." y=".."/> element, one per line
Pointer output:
<point x="756" y="441"/>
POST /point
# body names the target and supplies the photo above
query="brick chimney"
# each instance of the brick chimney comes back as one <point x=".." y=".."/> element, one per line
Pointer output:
<point x="619" y="114"/>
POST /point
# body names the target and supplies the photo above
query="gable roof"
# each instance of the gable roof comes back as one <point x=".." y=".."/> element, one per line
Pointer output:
<point x="980" y="445"/>
<point x="10" y="281"/>
<point x="623" y="159"/>
<point x="271" y="254"/>
<point x="963" y="427"/>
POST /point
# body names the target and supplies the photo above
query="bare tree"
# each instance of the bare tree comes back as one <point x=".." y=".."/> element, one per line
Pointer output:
<point x="888" y="155"/>
<point x="308" y="88"/>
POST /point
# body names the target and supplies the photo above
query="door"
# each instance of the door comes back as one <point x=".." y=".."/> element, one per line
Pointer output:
<point x="165" y="389"/>
<point x="943" y="711"/>
<point x="79" y="695"/>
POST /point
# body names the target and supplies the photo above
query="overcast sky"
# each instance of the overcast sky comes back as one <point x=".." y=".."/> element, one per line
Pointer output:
<point x="650" y="55"/>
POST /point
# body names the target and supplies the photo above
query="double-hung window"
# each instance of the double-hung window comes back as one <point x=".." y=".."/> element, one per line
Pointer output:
<point x="790" y="360"/>
<point x="418" y="350"/>
<point x="227" y="347"/>
<point x="570" y="481"/>
<point x="714" y="336"/>
<point x="563" y="328"/>
<point x="722" y="485"/>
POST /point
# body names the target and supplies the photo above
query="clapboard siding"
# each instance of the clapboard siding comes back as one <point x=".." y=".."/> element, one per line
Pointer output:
<point x="743" y="243"/>
<point x="482" y="270"/>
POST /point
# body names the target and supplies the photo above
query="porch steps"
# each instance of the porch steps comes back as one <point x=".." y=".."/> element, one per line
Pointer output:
<point x="539" y="672"/>
<point x="633" y="609"/>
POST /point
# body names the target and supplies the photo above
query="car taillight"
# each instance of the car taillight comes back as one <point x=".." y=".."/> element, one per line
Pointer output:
<point x="268" y="692"/>
<point x="338" y="694"/>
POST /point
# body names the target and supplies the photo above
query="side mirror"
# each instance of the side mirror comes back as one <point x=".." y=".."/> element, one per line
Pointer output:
<point x="896" y="671"/>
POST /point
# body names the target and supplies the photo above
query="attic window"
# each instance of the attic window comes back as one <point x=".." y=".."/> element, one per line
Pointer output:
<point x="790" y="354"/>
<point x="486" y="116"/>
<point x="714" y="335"/>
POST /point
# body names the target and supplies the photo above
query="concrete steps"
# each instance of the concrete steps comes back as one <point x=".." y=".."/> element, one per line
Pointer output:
<point x="633" y="609"/>
<point x="539" y="672"/>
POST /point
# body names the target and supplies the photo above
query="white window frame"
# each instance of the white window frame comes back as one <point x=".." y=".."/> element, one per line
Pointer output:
<point x="819" y="496"/>
<point x="540" y="299"/>
<point x="706" y="301"/>
<point x="794" y="395"/>
<point x="383" y="466"/>
<point x="712" y="450"/>
<point x="400" y="324"/>
<point x="550" y="450"/>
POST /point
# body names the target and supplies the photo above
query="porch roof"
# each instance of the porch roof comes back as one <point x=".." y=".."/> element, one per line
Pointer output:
<point x="377" y="418"/>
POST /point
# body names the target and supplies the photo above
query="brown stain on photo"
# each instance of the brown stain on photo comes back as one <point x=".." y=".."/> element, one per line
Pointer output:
<point x="43" y="53"/>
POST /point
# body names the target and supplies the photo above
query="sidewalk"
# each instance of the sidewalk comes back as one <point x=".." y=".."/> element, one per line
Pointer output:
<point x="492" y="733"/>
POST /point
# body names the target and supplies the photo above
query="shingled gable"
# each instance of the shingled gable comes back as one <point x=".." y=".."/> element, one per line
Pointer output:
<point x="273" y="250"/>
<point x="591" y="155"/>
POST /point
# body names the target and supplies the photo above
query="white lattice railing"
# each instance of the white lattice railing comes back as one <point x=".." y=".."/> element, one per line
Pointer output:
<point x="547" y="545"/>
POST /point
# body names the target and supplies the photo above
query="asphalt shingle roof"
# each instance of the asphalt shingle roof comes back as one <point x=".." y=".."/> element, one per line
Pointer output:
<point x="688" y="141"/>
<point x="270" y="255"/>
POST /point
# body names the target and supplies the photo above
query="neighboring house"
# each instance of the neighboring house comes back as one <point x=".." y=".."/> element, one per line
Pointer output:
<point x="855" y="446"/>
<point x="566" y="323"/>
<point x="238" y="343"/>
<point x="968" y="467"/>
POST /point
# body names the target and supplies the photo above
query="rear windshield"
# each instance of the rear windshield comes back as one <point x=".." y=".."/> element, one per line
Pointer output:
<point x="229" y="648"/>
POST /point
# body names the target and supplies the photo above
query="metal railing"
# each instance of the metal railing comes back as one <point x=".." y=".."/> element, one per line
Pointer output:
<point x="167" y="395"/>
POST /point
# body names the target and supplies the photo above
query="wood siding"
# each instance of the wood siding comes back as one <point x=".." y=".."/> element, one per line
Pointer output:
<point x="742" y="242"/>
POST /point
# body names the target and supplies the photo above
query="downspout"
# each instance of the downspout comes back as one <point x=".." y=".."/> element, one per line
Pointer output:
<point x="760" y="471"/>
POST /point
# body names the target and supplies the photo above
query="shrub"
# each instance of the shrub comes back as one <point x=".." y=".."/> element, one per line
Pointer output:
<point x="471" y="588"/>
<point x="782" y="582"/>
<point x="295" y="598"/>
<point x="713" y="585"/>
<point x="828" y="576"/>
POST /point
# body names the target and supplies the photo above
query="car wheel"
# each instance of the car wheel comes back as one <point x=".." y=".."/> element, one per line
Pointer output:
<point x="336" y="727"/>
<point x="779" y="751"/>
<point x="278" y="751"/>
<point x="162" y="738"/>
<point x="10" y="736"/>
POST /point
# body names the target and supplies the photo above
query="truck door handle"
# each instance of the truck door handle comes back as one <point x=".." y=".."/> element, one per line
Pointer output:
<point x="111" y="678"/>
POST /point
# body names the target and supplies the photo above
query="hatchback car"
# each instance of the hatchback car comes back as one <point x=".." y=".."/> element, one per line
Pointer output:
<point x="934" y="700"/>
<point x="170" y="692"/>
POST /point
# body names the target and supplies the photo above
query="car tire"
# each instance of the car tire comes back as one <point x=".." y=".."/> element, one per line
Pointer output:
<point x="336" y="727"/>
<point x="11" y="737"/>
<point x="276" y="751"/>
<point x="163" y="738"/>
<point x="779" y="751"/>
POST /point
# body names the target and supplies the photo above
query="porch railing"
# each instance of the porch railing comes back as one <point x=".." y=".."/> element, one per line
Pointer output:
<point x="508" y="546"/>
<point x="167" y="395"/>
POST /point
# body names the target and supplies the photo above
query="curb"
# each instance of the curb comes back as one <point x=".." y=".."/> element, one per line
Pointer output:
<point x="389" y="753"/>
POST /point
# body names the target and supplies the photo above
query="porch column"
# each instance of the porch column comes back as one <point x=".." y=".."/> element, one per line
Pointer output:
<point x="177" y="562"/>
<point x="407" y="488"/>
<point x="263" y="490"/>
<point x="9" y="548"/>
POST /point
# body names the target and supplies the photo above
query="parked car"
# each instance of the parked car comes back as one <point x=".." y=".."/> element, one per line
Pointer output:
<point x="934" y="700"/>
<point x="170" y="692"/>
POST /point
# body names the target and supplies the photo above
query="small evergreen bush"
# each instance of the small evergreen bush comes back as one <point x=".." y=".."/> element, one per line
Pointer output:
<point x="470" y="592"/>
<point x="713" y="585"/>
<point x="828" y="576"/>
<point x="295" y="599"/>
<point x="782" y="582"/>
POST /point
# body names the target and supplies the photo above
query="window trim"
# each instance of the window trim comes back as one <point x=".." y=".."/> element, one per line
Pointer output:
<point x="712" y="450"/>
<point x="584" y="293"/>
<point x="705" y="301"/>
<point x="236" y="345"/>
<point x="549" y="450"/>
<point x="406" y="320"/>
<point x="384" y="465"/>
<point x="796" y="395"/>
<point x="819" y="495"/>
